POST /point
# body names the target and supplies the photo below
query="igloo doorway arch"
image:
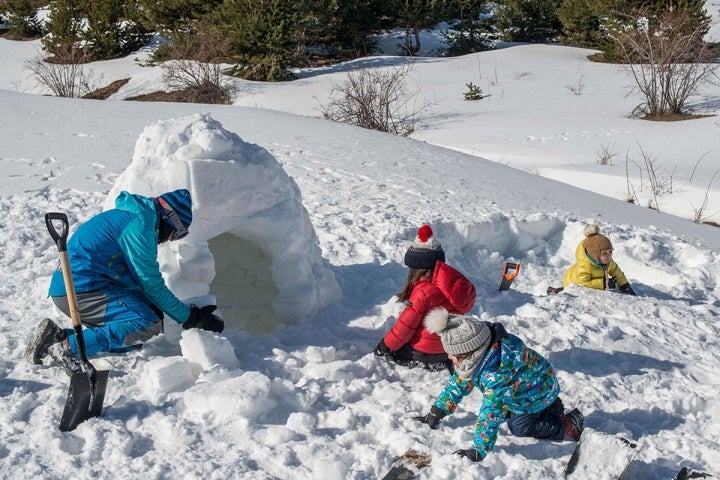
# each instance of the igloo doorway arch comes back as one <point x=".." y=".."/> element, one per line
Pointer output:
<point x="243" y="286"/>
<point x="251" y="245"/>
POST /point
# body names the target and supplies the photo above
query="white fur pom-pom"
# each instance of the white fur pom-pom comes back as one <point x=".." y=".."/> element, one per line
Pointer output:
<point x="591" y="230"/>
<point x="436" y="320"/>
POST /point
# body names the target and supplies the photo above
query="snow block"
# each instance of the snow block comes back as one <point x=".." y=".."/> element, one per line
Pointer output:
<point x="204" y="350"/>
<point x="245" y="396"/>
<point x="169" y="374"/>
<point x="301" y="422"/>
<point x="600" y="456"/>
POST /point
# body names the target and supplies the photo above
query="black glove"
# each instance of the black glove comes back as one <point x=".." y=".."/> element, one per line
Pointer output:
<point x="202" y="317"/>
<point x="432" y="418"/>
<point x="470" y="453"/>
<point x="381" y="350"/>
<point x="611" y="283"/>
<point x="628" y="289"/>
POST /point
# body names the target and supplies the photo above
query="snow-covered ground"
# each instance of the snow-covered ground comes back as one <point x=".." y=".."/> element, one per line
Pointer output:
<point x="309" y="400"/>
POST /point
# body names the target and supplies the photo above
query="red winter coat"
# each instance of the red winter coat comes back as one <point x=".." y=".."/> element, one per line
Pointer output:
<point x="448" y="289"/>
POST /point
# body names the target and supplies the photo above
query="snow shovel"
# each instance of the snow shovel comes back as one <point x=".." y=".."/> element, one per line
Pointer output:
<point x="510" y="271"/>
<point x="87" y="387"/>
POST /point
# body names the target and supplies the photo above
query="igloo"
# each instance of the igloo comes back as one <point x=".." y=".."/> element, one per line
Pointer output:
<point x="252" y="249"/>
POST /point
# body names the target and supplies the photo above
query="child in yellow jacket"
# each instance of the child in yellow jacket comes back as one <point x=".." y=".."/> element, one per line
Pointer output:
<point x="594" y="266"/>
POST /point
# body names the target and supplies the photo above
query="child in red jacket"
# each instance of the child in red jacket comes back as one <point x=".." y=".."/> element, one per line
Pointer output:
<point x="430" y="284"/>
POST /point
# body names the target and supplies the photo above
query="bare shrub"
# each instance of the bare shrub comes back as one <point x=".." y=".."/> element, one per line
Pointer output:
<point x="606" y="154"/>
<point x="494" y="81"/>
<point x="377" y="99"/>
<point x="197" y="68"/>
<point x="667" y="59"/>
<point x="659" y="181"/>
<point x="631" y="191"/>
<point x="578" y="88"/>
<point x="692" y="175"/>
<point x="699" y="213"/>
<point x="66" y="75"/>
<point x="203" y="81"/>
<point x="654" y="178"/>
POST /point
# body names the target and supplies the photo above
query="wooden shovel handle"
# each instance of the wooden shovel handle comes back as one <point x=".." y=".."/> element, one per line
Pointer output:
<point x="60" y="239"/>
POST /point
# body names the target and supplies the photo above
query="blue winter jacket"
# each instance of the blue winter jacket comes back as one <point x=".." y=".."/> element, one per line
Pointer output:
<point x="513" y="379"/>
<point x="117" y="249"/>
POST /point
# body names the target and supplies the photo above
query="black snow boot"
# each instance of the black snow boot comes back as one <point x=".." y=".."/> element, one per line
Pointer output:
<point x="48" y="334"/>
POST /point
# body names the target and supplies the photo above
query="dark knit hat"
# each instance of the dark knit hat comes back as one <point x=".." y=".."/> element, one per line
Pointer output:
<point x="459" y="334"/>
<point x="424" y="251"/>
<point x="180" y="201"/>
<point x="595" y="242"/>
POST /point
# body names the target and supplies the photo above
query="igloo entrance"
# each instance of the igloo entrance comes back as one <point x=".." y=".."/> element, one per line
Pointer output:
<point x="243" y="285"/>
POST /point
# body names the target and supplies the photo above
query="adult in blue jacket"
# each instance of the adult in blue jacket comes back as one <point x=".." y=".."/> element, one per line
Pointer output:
<point x="121" y="294"/>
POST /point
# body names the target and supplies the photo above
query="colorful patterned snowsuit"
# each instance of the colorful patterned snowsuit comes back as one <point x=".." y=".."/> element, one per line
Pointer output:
<point x="515" y="381"/>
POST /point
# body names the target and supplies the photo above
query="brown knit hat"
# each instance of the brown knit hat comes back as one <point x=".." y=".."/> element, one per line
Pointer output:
<point x="595" y="242"/>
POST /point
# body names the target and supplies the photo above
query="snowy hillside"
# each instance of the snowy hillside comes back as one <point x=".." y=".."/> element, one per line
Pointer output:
<point x="309" y="400"/>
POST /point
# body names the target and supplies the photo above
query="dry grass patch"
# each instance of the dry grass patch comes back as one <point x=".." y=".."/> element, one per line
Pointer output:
<point x="105" y="92"/>
<point x="177" y="96"/>
<point x="673" y="117"/>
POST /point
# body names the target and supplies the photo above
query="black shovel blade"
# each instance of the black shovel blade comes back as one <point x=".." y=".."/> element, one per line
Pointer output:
<point x="85" y="398"/>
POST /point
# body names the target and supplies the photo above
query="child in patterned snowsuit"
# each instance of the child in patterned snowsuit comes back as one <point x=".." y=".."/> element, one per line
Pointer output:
<point x="518" y="385"/>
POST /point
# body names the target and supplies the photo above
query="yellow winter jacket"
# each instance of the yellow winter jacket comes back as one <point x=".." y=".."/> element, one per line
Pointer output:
<point x="588" y="273"/>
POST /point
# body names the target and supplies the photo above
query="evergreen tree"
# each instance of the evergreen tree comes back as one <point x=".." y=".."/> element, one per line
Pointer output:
<point x="586" y="22"/>
<point x="354" y="21"/>
<point x="109" y="33"/>
<point x="103" y="32"/>
<point x="170" y="17"/>
<point x="267" y="37"/>
<point x="583" y="21"/>
<point x="135" y="33"/>
<point x="314" y="24"/>
<point x="694" y="8"/>
<point x="22" y="21"/>
<point x="529" y="20"/>
<point x="64" y="29"/>
<point x="473" y="29"/>
<point x="413" y="16"/>
<point x="260" y="37"/>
